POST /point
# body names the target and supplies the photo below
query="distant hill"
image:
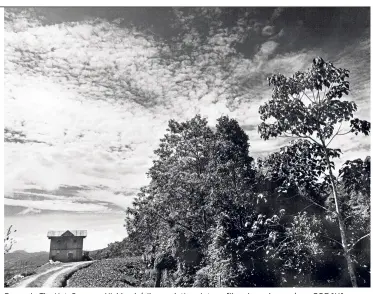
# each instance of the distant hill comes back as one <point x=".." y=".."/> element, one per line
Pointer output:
<point x="22" y="262"/>
<point x="24" y="256"/>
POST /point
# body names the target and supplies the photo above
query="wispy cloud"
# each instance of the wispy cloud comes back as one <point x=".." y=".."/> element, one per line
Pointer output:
<point x="57" y="205"/>
<point x="29" y="210"/>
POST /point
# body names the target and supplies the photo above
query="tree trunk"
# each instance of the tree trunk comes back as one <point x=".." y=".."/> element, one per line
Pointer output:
<point x="342" y="227"/>
<point x="158" y="279"/>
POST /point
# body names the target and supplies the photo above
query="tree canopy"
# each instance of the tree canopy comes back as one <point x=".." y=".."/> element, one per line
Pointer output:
<point x="216" y="217"/>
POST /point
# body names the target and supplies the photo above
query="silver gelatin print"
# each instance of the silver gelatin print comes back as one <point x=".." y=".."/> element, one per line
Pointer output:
<point x="187" y="147"/>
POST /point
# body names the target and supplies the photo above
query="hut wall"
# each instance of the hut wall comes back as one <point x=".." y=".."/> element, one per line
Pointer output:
<point x="66" y="249"/>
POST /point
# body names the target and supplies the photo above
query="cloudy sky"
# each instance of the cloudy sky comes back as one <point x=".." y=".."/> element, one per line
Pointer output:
<point x="89" y="91"/>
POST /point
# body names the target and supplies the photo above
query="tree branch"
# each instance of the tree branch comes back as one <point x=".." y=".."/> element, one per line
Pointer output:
<point x="335" y="134"/>
<point x="280" y="244"/>
<point x="353" y="245"/>
<point x="304" y="208"/>
<point x="309" y="199"/>
<point x="315" y="203"/>
<point x="347" y="218"/>
<point x="344" y="133"/>
<point x="299" y="137"/>
<point x="334" y="240"/>
<point x="308" y="97"/>
<point x="323" y="97"/>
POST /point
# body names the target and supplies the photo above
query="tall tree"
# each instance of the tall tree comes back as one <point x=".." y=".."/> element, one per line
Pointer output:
<point x="308" y="107"/>
<point x="198" y="175"/>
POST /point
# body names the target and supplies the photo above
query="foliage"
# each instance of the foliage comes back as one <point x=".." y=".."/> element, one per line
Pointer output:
<point x="198" y="175"/>
<point x="297" y="250"/>
<point x="355" y="182"/>
<point x="297" y="171"/>
<point x="355" y="176"/>
<point x="109" y="273"/>
<point x="115" y="249"/>
<point x="9" y="240"/>
<point x="223" y="220"/>
<point x="308" y="107"/>
<point x="323" y="86"/>
<point x="86" y="256"/>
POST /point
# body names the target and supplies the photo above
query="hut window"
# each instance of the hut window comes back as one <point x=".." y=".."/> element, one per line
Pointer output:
<point x="74" y="240"/>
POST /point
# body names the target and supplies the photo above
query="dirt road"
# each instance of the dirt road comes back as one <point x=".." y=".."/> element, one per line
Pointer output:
<point x="53" y="277"/>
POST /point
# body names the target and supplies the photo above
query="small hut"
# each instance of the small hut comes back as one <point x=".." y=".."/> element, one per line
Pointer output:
<point x="66" y="246"/>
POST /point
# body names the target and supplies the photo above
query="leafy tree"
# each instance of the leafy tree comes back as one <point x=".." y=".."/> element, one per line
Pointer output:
<point x="198" y="175"/>
<point x="281" y="180"/>
<point x="308" y="107"/>
<point x="286" y="195"/>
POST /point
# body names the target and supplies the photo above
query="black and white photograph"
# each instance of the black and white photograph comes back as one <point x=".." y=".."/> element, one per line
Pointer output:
<point x="187" y="147"/>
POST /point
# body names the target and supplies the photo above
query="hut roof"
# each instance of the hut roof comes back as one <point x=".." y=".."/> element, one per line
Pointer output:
<point x="77" y="233"/>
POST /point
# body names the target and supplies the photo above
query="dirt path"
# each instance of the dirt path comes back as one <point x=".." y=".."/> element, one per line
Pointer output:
<point x="56" y="277"/>
<point x="53" y="275"/>
<point x="24" y="283"/>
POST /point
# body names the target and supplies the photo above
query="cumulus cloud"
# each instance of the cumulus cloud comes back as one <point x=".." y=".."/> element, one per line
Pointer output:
<point x="267" y="49"/>
<point x="268" y="31"/>
<point x="277" y="13"/>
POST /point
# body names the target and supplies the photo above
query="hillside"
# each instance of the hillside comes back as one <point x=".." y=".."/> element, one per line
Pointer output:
<point x="24" y="256"/>
<point x="122" y="248"/>
<point x="22" y="262"/>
